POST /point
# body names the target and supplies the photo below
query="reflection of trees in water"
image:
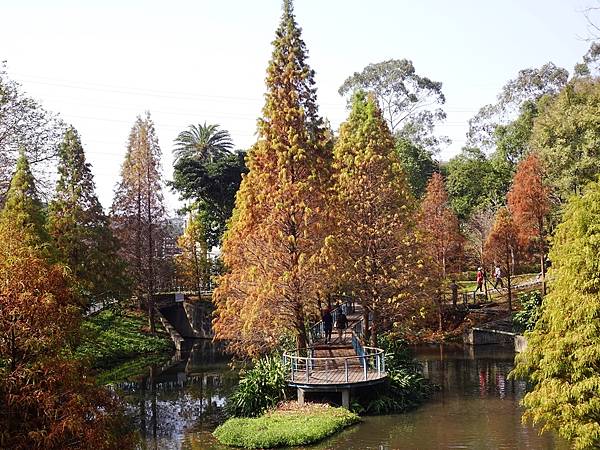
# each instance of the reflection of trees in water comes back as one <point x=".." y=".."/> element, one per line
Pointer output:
<point x="481" y="371"/>
<point x="186" y="393"/>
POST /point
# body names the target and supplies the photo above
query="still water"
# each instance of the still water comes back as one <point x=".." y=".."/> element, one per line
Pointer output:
<point x="178" y="405"/>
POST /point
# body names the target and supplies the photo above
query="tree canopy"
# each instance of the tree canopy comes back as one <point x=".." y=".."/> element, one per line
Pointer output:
<point x="202" y="143"/>
<point x="79" y="228"/>
<point x="271" y="249"/>
<point x="375" y="218"/>
<point x="405" y="98"/>
<point x="24" y="124"/>
<point x="567" y="136"/>
<point x="562" y="359"/>
<point x="211" y="187"/>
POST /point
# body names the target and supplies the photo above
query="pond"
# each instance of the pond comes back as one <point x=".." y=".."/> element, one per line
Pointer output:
<point x="178" y="405"/>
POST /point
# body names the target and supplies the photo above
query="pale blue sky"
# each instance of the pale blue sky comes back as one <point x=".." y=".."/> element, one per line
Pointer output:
<point x="100" y="64"/>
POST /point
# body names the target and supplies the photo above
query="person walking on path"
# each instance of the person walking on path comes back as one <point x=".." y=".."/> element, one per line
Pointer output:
<point x="498" y="277"/>
<point x="480" y="280"/>
<point x="341" y="324"/>
<point x="454" y="289"/>
<point x="327" y="325"/>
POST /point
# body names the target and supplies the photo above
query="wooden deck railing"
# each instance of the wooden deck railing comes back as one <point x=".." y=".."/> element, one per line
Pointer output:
<point x="313" y="370"/>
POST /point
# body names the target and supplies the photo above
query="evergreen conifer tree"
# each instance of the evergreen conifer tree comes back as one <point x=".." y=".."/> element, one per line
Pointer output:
<point x="22" y="206"/>
<point x="376" y="238"/>
<point x="275" y="237"/>
<point x="79" y="228"/>
<point x="562" y="359"/>
<point x="137" y="213"/>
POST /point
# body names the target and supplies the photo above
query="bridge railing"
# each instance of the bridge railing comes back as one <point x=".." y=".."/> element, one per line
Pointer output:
<point x="317" y="331"/>
<point x="370" y="366"/>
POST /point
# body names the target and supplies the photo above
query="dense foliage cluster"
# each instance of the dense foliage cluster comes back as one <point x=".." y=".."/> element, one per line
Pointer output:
<point x="562" y="357"/>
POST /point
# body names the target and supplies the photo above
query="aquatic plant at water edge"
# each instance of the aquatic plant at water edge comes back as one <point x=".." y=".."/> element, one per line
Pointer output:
<point x="260" y="388"/>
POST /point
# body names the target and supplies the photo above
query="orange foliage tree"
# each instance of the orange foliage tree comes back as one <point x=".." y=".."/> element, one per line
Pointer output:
<point x="46" y="400"/>
<point x="443" y="241"/>
<point x="529" y="203"/>
<point x="272" y="247"/>
<point x="503" y="244"/>
<point x="440" y="225"/>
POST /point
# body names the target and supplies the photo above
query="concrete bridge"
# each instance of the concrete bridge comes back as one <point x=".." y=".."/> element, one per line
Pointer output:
<point x="184" y="316"/>
<point x="342" y="365"/>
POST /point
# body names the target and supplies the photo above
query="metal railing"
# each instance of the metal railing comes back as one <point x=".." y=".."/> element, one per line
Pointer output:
<point x="317" y="331"/>
<point x="370" y="366"/>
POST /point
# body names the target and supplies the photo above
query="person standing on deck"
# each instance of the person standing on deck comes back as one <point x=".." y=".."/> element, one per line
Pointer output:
<point x="341" y="324"/>
<point x="327" y="325"/>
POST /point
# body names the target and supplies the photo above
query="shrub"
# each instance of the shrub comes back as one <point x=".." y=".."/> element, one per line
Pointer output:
<point x="285" y="428"/>
<point x="405" y="388"/>
<point x="526" y="318"/>
<point x="260" y="388"/>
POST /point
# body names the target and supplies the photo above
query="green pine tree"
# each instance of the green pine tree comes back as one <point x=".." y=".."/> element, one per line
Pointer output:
<point x="563" y="355"/>
<point x="277" y="230"/>
<point x="80" y="229"/>
<point x="22" y="207"/>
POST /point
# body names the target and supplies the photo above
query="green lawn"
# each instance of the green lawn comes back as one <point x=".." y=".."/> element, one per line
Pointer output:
<point x="114" y="336"/>
<point x="285" y="427"/>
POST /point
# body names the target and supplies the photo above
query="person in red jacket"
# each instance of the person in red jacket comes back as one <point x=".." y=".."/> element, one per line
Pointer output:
<point x="480" y="280"/>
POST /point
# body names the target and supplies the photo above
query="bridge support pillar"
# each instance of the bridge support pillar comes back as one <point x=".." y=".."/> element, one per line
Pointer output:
<point x="346" y="398"/>
<point x="300" y="396"/>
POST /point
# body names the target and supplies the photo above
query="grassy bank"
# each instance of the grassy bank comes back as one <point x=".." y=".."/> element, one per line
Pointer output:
<point x="114" y="336"/>
<point x="288" y="425"/>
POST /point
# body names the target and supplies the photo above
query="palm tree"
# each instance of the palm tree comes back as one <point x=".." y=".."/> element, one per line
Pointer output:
<point x="202" y="142"/>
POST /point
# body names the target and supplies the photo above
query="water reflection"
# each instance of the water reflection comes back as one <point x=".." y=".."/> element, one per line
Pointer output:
<point x="177" y="406"/>
<point x="185" y="395"/>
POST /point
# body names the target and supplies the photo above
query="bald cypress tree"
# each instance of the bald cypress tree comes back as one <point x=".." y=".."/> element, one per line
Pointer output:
<point x="376" y="238"/>
<point x="79" y="228"/>
<point x="138" y="212"/>
<point x="271" y="249"/>
<point x="22" y="207"/>
<point x="562" y="360"/>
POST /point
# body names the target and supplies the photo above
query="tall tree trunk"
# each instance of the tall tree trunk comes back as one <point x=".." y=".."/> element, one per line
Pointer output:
<point x="440" y="314"/>
<point x="508" y="280"/>
<point x="138" y="245"/>
<point x="150" y="257"/>
<point x="366" y="325"/>
<point x="196" y="268"/>
<point x="374" y="329"/>
<point x="301" y="335"/>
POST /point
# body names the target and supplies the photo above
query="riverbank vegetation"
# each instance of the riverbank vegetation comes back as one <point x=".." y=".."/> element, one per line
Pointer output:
<point x="305" y="217"/>
<point x="116" y="335"/>
<point x="285" y="426"/>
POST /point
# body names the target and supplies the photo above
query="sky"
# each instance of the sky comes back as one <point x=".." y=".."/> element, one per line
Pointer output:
<point x="101" y="64"/>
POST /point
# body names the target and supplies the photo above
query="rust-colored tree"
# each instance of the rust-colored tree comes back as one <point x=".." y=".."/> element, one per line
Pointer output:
<point x="443" y="241"/>
<point x="46" y="400"/>
<point x="272" y="247"/>
<point x="503" y="244"/>
<point x="376" y="240"/>
<point x="137" y="212"/>
<point x="529" y="203"/>
<point x="440" y="225"/>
